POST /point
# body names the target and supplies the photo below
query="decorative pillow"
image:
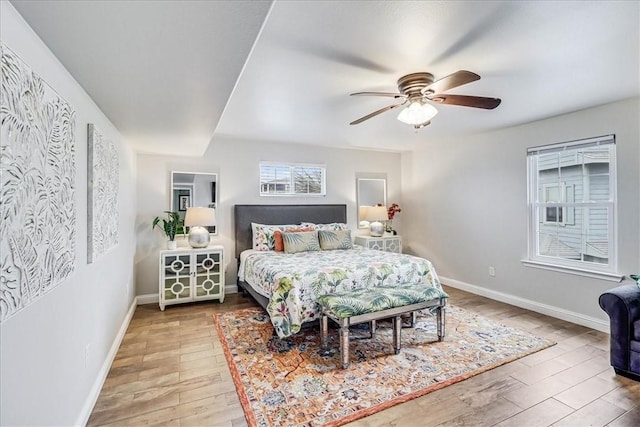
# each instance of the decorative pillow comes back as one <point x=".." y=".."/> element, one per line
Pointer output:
<point x="328" y="227"/>
<point x="279" y="244"/>
<point x="263" y="237"/>
<point x="339" y="239"/>
<point x="303" y="241"/>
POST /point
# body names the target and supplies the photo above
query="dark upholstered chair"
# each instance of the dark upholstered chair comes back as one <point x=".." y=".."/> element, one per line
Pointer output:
<point x="622" y="304"/>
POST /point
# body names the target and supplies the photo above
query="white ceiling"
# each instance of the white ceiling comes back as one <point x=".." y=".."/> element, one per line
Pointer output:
<point x="173" y="74"/>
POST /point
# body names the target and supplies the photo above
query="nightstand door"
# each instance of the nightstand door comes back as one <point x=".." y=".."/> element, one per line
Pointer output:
<point x="176" y="281"/>
<point x="208" y="276"/>
<point x="393" y="244"/>
<point x="376" y="244"/>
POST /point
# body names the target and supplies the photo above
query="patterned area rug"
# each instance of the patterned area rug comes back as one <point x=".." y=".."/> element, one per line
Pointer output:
<point x="287" y="383"/>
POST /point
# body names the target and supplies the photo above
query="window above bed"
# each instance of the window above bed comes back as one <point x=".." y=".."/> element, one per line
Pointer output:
<point x="292" y="179"/>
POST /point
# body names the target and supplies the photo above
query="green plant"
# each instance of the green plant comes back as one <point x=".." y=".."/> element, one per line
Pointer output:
<point x="170" y="226"/>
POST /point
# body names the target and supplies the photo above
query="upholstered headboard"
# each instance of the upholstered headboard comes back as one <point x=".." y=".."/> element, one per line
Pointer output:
<point x="281" y="214"/>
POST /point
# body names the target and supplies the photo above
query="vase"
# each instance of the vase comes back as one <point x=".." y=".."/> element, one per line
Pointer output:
<point x="172" y="245"/>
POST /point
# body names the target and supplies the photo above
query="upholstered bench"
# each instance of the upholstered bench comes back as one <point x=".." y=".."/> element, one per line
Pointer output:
<point x="381" y="302"/>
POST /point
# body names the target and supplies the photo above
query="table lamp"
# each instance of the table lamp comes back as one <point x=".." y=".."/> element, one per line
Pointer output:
<point x="375" y="214"/>
<point x="197" y="219"/>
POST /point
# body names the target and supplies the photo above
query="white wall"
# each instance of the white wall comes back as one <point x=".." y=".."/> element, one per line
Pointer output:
<point x="236" y="163"/>
<point x="466" y="207"/>
<point x="44" y="380"/>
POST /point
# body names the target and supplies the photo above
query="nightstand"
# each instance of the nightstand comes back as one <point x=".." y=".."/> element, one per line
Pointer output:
<point x="191" y="275"/>
<point x="384" y="243"/>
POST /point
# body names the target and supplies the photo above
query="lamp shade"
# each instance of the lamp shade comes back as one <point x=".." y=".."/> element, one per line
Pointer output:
<point x="417" y="113"/>
<point x="377" y="213"/>
<point x="204" y="217"/>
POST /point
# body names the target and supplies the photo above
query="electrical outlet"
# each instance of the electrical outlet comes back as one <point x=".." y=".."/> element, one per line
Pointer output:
<point x="492" y="271"/>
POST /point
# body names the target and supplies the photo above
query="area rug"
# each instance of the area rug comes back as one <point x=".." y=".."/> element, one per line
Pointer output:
<point x="286" y="382"/>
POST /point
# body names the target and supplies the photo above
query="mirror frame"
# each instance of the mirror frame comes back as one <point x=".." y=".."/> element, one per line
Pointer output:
<point x="215" y="189"/>
<point x="361" y="180"/>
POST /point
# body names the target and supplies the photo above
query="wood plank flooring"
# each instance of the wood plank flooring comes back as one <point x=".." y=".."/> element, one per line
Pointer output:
<point x="170" y="370"/>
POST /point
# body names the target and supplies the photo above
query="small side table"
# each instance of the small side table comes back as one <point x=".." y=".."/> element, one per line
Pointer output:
<point x="191" y="275"/>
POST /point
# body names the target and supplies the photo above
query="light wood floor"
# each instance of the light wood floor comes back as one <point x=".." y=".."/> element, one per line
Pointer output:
<point x="170" y="370"/>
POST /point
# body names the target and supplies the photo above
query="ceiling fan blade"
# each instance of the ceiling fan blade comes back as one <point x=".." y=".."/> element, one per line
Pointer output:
<point x="467" y="101"/>
<point x="456" y="79"/>
<point x="392" y="95"/>
<point x="375" y="113"/>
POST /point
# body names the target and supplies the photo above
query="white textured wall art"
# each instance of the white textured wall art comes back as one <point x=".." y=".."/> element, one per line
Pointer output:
<point x="37" y="193"/>
<point x="103" y="179"/>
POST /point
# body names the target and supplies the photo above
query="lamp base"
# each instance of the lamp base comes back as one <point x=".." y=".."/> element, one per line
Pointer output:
<point x="199" y="237"/>
<point x="376" y="229"/>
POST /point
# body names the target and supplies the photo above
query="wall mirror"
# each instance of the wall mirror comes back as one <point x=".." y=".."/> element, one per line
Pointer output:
<point x="370" y="192"/>
<point x="194" y="189"/>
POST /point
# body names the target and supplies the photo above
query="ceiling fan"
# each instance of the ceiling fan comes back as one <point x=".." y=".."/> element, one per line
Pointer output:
<point x="419" y="90"/>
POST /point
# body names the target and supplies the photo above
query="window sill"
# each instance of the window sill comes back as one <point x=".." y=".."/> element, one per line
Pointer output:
<point x="612" y="277"/>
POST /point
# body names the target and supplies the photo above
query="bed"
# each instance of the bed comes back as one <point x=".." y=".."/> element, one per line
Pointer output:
<point x="287" y="285"/>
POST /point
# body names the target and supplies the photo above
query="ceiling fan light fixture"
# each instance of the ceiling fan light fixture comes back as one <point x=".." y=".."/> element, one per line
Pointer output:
<point x="417" y="113"/>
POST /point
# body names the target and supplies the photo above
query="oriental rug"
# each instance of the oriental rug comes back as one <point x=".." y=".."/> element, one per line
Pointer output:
<point x="286" y="382"/>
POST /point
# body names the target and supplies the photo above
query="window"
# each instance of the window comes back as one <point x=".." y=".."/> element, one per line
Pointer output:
<point x="278" y="179"/>
<point x="558" y="193"/>
<point x="572" y="204"/>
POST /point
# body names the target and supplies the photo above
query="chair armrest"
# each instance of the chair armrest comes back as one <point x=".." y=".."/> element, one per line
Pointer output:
<point x="622" y="304"/>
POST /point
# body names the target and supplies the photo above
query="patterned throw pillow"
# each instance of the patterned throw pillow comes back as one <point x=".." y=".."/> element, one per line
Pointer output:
<point x="279" y="244"/>
<point x="339" y="239"/>
<point x="303" y="241"/>
<point x="328" y="227"/>
<point x="263" y="235"/>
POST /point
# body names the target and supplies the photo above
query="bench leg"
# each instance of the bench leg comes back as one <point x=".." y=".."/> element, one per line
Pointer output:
<point x="324" y="336"/>
<point x="372" y="328"/>
<point x="344" y="346"/>
<point x="414" y="316"/>
<point x="397" y="330"/>
<point x="324" y="326"/>
<point x="440" y="316"/>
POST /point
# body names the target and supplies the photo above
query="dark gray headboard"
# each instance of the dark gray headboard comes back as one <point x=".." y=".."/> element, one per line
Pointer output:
<point x="281" y="214"/>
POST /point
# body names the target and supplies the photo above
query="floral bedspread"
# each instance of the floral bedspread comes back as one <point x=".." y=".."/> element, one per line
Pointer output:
<point x="293" y="282"/>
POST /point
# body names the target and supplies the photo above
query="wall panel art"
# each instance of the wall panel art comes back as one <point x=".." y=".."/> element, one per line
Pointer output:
<point x="37" y="192"/>
<point x="102" y="197"/>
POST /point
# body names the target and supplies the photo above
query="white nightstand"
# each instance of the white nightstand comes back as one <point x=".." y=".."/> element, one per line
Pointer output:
<point x="191" y="275"/>
<point x="384" y="243"/>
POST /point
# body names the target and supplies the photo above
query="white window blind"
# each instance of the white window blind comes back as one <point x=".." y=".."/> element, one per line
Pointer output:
<point x="277" y="179"/>
<point x="572" y="204"/>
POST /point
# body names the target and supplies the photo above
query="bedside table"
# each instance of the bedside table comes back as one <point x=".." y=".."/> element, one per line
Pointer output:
<point x="384" y="243"/>
<point x="191" y="275"/>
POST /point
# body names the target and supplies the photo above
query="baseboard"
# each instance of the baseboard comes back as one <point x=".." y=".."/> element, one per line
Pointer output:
<point x="153" y="298"/>
<point x="549" y="310"/>
<point x="94" y="393"/>
<point x="147" y="299"/>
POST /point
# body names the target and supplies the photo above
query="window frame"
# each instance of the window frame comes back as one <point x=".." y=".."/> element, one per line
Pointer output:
<point x="536" y="212"/>
<point x="291" y="179"/>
